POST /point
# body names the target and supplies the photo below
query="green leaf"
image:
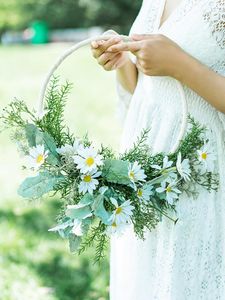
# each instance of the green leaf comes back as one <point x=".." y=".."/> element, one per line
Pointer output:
<point x="31" y="133"/>
<point x="36" y="137"/>
<point x="43" y="138"/>
<point x="86" y="200"/>
<point x="78" y="211"/>
<point x="74" y="242"/>
<point x="116" y="171"/>
<point x="36" y="187"/>
<point x="100" y="211"/>
<point x="81" y="210"/>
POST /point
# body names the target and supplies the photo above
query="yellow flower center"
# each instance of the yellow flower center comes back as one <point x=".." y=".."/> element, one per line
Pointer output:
<point x="90" y="161"/>
<point x="114" y="224"/>
<point x="40" y="159"/>
<point x="87" y="178"/>
<point x="139" y="192"/>
<point x="169" y="189"/>
<point x="118" y="210"/>
<point x="132" y="175"/>
<point x="204" y="155"/>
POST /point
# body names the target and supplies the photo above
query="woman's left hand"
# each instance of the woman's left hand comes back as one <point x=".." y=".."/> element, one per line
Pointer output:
<point x="156" y="54"/>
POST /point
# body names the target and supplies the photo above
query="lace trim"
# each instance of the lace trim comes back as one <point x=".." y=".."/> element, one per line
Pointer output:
<point x="184" y="9"/>
<point x="214" y="15"/>
<point x="181" y="12"/>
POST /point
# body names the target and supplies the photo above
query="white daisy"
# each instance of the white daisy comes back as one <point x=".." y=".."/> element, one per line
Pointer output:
<point x="166" y="164"/>
<point x="89" y="182"/>
<point x="87" y="159"/>
<point x="115" y="228"/>
<point x="122" y="213"/>
<point x="170" y="189"/>
<point x="183" y="167"/>
<point x="145" y="192"/>
<point x="37" y="156"/>
<point x="206" y="157"/>
<point x="69" y="150"/>
<point x="135" y="172"/>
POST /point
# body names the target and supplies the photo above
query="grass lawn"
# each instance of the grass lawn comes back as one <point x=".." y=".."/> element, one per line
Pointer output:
<point x="35" y="264"/>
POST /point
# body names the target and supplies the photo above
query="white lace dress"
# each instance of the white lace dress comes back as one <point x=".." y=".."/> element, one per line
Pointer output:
<point x="186" y="261"/>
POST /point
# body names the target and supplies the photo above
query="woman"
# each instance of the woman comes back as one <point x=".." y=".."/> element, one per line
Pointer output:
<point x="173" y="40"/>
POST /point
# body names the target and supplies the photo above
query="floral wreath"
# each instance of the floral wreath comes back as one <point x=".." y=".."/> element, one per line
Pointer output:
<point x="103" y="193"/>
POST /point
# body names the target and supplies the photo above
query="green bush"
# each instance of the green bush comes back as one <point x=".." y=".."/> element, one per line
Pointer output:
<point x="118" y="14"/>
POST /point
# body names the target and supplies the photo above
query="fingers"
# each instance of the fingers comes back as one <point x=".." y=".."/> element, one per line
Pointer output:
<point x="105" y="57"/>
<point x="112" y="64"/>
<point x="99" y="47"/>
<point x="140" y="37"/>
<point x="129" y="46"/>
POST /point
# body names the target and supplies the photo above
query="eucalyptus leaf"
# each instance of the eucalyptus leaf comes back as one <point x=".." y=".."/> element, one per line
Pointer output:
<point x="78" y="211"/>
<point x="100" y="211"/>
<point x="116" y="171"/>
<point x="74" y="242"/>
<point x="31" y="133"/>
<point x="87" y="200"/>
<point x="86" y="225"/>
<point x="36" y="187"/>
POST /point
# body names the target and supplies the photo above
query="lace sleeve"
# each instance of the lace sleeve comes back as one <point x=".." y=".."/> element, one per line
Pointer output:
<point x="215" y="16"/>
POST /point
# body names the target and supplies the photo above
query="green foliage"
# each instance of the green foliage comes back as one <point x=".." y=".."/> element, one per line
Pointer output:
<point x="31" y="133"/>
<point x="118" y="14"/>
<point x="116" y="171"/>
<point x="36" y="187"/>
<point x="36" y="137"/>
<point x="192" y="140"/>
<point x="95" y="237"/>
<point x="74" y="242"/>
<point x="46" y="269"/>
<point x="14" y="115"/>
<point x="78" y="212"/>
<point x="53" y="120"/>
<point x="100" y="211"/>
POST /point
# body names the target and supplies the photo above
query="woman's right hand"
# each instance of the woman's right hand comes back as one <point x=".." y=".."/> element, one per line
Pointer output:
<point x="109" y="61"/>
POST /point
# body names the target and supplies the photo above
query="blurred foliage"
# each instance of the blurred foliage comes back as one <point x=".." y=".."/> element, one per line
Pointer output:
<point x="117" y="14"/>
<point x="37" y="265"/>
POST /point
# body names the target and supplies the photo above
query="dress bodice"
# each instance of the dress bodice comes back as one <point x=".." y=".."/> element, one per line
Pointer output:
<point x="198" y="27"/>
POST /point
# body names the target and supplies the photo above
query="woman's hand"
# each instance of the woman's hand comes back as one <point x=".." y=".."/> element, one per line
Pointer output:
<point x="156" y="54"/>
<point x="109" y="61"/>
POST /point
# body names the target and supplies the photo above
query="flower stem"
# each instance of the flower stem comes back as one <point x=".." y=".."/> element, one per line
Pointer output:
<point x="164" y="214"/>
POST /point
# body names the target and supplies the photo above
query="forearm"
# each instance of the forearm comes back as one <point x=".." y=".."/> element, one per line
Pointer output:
<point x="204" y="81"/>
<point x="127" y="76"/>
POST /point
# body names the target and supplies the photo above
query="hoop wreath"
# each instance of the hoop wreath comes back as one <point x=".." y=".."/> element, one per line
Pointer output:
<point x="102" y="192"/>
